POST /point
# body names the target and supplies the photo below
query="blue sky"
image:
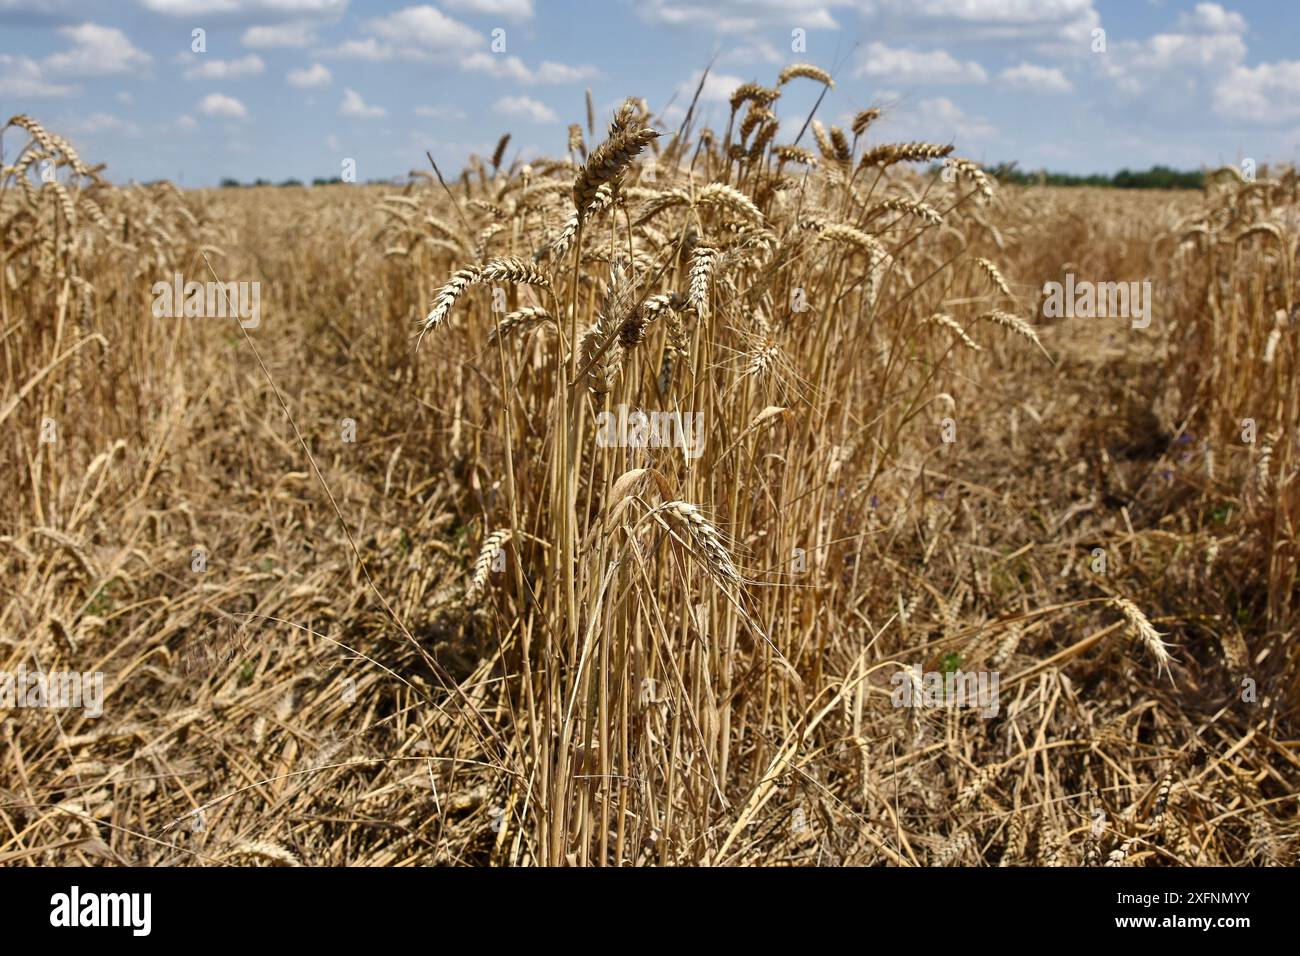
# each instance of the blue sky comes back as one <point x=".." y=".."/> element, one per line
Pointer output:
<point x="292" y="88"/>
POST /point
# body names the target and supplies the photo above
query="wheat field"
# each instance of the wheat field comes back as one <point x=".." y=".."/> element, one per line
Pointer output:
<point x="651" y="505"/>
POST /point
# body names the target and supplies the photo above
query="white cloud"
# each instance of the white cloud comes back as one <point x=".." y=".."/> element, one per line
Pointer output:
<point x="21" y="78"/>
<point x="354" y="105"/>
<point x="1040" y="79"/>
<point x="209" y="69"/>
<point x="1176" y="68"/>
<point x="25" y="12"/>
<point x="293" y="8"/>
<point x="510" y="9"/>
<point x="1166" y="50"/>
<point x="1040" y="21"/>
<point x="1043" y="22"/>
<point x="424" y="32"/>
<point x="993" y="11"/>
<point x="551" y="72"/>
<point x="948" y="121"/>
<point x="740" y="16"/>
<point x="314" y="76"/>
<point x="1267" y="93"/>
<point x="935" y="120"/>
<point x="96" y="51"/>
<point x="759" y="51"/>
<point x="527" y="107"/>
<point x="513" y="68"/>
<point x="100" y="122"/>
<point x="1211" y="18"/>
<point x="367" y="49"/>
<point x="501" y="67"/>
<point x="280" y="35"/>
<point x="1056" y="27"/>
<point x="717" y="88"/>
<point x="187" y="122"/>
<point x="218" y="104"/>
<point x="440" y="112"/>
<point x="914" y="66"/>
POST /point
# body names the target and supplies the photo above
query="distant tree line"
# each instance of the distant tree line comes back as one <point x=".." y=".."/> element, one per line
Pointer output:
<point x="1157" y="177"/>
<point x="229" y="183"/>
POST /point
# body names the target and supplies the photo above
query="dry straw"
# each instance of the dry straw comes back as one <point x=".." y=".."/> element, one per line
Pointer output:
<point x="807" y="317"/>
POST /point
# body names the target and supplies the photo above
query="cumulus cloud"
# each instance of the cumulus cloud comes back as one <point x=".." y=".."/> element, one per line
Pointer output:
<point x="718" y="87"/>
<point x="204" y="68"/>
<point x="509" y="9"/>
<point x="96" y="51"/>
<point x="1211" y="18"/>
<point x="673" y="113"/>
<point x="99" y="122"/>
<point x="21" y="78"/>
<point x="367" y="49"/>
<point x="1034" y="78"/>
<point x="552" y="72"/>
<point x="501" y="67"/>
<point x="740" y="16"/>
<point x="280" y="35"/>
<point x="422" y="32"/>
<point x="1060" y="25"/>
<point x="218" y="104"/>
<point x="513" y="68"/>
<point x="354" y="105"/>
<point x="950" y="121"/>
<point x="1267" y="93"/>
<point x="313" y="76"/>
<point x="526" y="107"/>
<point x="1019" y="12"/>
<point x="1166" y="50"/>
<point x="758" y="51"/>
<point x="1171" y="67"/>
<point x="915" y="66"/>
<point x="936" y="119"/>
<point x="271" y="8"/>
<point x="425" y="33"/>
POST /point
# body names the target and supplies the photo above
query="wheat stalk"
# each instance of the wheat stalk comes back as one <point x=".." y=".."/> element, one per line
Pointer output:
<point x="807" y="71"/>
<point x="448" y="295"/>
<point x="478" y="580"/>
<point x="1140" y="628"/>
<point x="607" y="163"/>
<point x="704" y="538"/>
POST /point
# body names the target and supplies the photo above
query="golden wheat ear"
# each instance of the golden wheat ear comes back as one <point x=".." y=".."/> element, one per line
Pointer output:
<point x="1141" y="630"/>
